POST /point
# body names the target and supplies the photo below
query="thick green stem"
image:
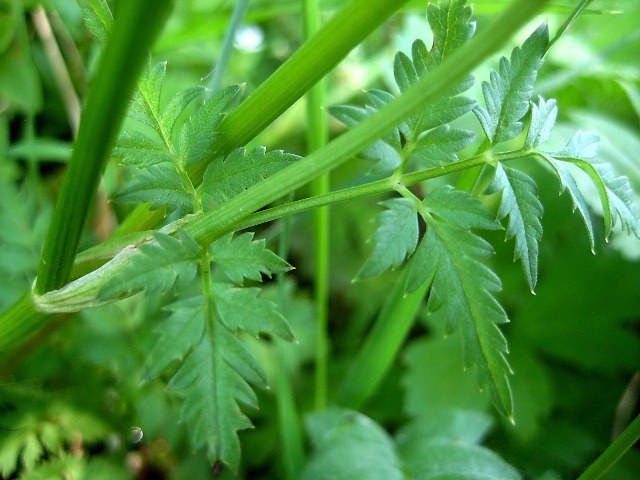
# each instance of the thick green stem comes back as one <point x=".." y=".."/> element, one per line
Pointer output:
<point x="136" y="27"/>
<point x="614" y="452"/>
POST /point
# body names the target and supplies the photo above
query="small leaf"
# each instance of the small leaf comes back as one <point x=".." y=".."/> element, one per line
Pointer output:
<point x="242" y="309"/>
<point x="521" y="205"/>
<point x="395" y="238"/>
<point x="210" y="409"/>
<point x="242" y="257"/>
<point x="440" y="145"/>
<point x="139" y="150"/>
<point x="615" y="192"/>
<point x="543" y="118"/>
<point x="98" y="17"/>
<point x="451" y="24"/>
<point x="197" y="136"/>
<point x="159" y="186"/>
<point x="226" y="178"/>
<point x="146" y="102"/>
<point x="157" y="267"/>
<point x="177" y="105"/>
<point x="350" y="445"/>
<point x="178" y="334"/>
<point x="455" y="254"/>
<point x="568" y="183"/>
<point x="509" y="90"/>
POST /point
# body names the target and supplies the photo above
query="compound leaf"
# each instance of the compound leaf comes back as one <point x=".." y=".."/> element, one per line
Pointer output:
<point x="159" y="186"/>
<point x="455" y="254"/>
<point x="242" y="257"/>
<point x="508" y="92"/>
<point x="615" y="192"/>
<point x="395" y="238"/>
<point x="156" y="267"/>
<point x="521" y="205"/>
<point x="218" y="367"/>
<point x="140" y="150"/>
<point x="226" y="178"/>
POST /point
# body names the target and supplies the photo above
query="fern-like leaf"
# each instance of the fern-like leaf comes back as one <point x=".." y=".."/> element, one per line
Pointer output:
<point x="543" y="119"/>
<point x="463" y="287"/>
<point x="521" y="205"/>
<point x="145" y="106"/>
<point x="508" y="92"/>
<point x="394" y="239"/>
<point x="242" y="257"/>
<point x="615" y="192"/>
<point x="157" y="267"/>
<point x="224" y="179"/>
<point x="159" y="186"/>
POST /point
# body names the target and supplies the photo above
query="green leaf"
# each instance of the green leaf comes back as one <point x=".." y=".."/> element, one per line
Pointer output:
<point x="508" y="93"/>
<point x="98" y="17"/>
<point x="197" y="136"/>
<point x="521" y="205"/>
<point x="543" y="118"/>
<point x="210" y="409"/>
<point x="241" y="308"/>
<point x="178" y="334"/>
<point x="615" y="192"/>
<point x="451" y="24"/>
<point x="218" y="366"/>
<point x="395" y="238"/>
<point x="458" y="210"/>
<point x="176" y="106"/>
<point x="440" y="145"/>
<point x="139" y="150"/>
<point x="349" y="445"/>
<point x="159" y="186"/>
<point x="451" y="425"/>
<point x="242" y="257"/>
<point x="226" y="178"/>
<point x="568" y="183"/>
<point x="460" y="462"/>
<point x="455" y="254"/>
<point x="157" y="268"/>
<point x="145" y="106"/>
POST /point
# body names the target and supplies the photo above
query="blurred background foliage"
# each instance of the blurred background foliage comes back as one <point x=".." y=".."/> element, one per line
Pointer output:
<point x="74" y="393"/>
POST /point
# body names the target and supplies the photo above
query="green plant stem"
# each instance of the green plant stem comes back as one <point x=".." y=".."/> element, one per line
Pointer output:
<point x="288" y="415"/>
<point x="381" y="346"/>
<point x="614" y="452"/>
<point x="317" y="135"/>
<point x="217" y="77"/>
<point x="137" y="25"/>
<point x="425" y="91"/>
